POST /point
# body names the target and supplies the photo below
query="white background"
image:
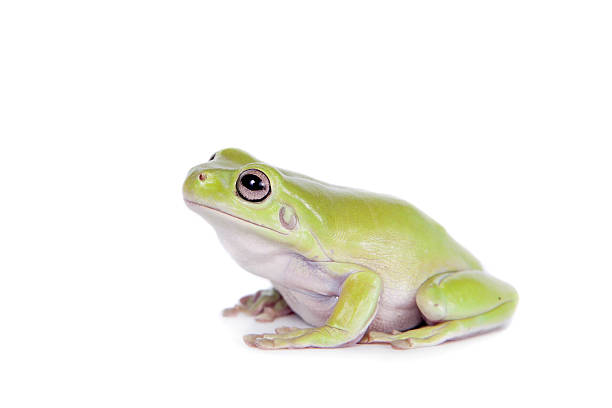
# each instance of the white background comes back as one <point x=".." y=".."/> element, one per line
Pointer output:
<point x="492" y="117"/>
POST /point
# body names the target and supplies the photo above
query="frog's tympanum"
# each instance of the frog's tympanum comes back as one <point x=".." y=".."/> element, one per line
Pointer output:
<point x="357" y="266"/>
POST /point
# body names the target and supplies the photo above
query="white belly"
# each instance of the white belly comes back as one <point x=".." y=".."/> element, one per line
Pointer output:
<point x="308" y="288"/>
<point x="313" y="308"/>
<point x="397" y="310"/>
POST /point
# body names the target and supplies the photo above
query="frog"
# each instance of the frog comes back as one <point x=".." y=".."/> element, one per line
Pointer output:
<point x="358" y="267"/>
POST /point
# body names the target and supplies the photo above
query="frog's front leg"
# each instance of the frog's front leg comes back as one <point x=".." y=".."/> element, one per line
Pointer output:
<point x="266" y="305"/>
<point x="353" y="313"/>
<point x="458" y="304"/>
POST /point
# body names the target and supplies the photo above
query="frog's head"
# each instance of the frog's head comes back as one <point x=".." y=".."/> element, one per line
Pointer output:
<point x="239" y="195"/>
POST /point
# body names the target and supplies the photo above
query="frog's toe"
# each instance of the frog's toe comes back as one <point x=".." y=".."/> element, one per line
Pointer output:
<point x="284" y="333"/>
<point x="285" y="330"/>
<point x="267" y="344"/>
<point x="414" y="342"/>
<point x="376" y="337"/>
<point x="402" y="344"/>
<point x="249" y="298"/>
<point x="281" y="339"/>
<point x="270" y="313"/>
<point x="250" y="339"/>
<point x="265" y="305"/>
<point x="230" y="311"/>
<point x="275" y="344"/>
<point x="266" y="316"/>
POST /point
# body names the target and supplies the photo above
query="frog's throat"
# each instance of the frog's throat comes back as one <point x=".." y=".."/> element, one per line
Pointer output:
<point x="189" y="202"/>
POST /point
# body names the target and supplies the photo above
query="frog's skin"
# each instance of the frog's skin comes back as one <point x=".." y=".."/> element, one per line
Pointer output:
<point x="357" y="266"/>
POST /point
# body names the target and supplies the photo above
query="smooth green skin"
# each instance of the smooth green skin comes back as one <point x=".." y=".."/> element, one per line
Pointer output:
<point x="373" y="242"/>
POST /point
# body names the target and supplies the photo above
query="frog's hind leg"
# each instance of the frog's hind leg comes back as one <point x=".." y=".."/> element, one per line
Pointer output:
<point x="455" y="304"/>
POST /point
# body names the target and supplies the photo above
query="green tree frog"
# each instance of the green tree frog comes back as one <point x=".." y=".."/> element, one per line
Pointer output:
<point x="357" y="266"/>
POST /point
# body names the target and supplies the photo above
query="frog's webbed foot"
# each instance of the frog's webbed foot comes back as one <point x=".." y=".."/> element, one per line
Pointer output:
<point x="423" y="336"/>
<point x="281" y="336"/>
<point x="266" y="305"/>
<point x="460" y="304"/>
<point x="294" y="337"/>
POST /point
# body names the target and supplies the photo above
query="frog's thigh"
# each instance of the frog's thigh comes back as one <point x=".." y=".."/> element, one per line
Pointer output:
<point x="456" y="304"/>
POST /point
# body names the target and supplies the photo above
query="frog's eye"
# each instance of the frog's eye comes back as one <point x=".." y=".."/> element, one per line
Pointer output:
<point x="253" y="185"/>
<point x="212" y="157"/>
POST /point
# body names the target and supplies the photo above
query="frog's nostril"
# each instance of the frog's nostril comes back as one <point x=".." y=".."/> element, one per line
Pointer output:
<point x="202" y="176"/>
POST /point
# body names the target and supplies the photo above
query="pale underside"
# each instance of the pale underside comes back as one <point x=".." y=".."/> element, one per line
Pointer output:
<point x="308" y="287"/>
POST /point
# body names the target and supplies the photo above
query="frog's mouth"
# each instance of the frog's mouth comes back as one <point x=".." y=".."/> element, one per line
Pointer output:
<point x="195" y="205"/>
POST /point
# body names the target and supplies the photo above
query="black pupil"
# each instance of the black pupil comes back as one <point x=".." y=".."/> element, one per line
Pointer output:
<point x="252" y="182"/>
